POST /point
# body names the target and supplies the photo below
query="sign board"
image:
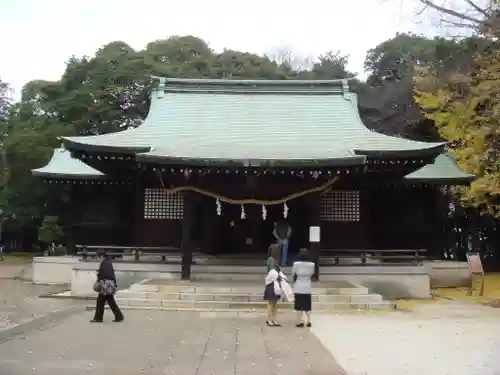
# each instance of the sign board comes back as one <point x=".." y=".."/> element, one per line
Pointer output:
<point x="475" y="264"/>
<point x="475" y="269"/>
<point x="314" y="234"/>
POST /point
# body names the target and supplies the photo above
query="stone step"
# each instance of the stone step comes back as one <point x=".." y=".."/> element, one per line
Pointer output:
<point x="245" y="297"/>
<point x="224" y="305"/>
<point x="249" y="289"/>
<point x="219" y="276"/>
<point x="260" y="262"/>
<point x="232" y="313"/>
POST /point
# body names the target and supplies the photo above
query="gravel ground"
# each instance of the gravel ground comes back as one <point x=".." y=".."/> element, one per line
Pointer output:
<point x="19" y="301"/>
<point x="446" y="338"/>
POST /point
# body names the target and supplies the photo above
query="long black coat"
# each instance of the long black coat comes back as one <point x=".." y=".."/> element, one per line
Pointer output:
<point x="106" y="271"/>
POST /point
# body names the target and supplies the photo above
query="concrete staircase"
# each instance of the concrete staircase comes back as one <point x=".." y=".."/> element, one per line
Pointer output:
<point x="240" y="295"/>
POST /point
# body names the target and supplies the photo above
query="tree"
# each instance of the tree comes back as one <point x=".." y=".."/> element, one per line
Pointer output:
<point x="5" y="101"/>
<point x="50" y="232"/>
<point x="387" y="104"/>
<point x="290" y="61"/>
<point x="477" y="16"/>
<point x="466" y="110"/>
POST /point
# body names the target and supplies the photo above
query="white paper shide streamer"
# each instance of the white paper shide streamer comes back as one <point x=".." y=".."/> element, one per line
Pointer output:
<point x="264" y="212"/>
<point x="243" y="213"/>
<point x="285" y="210"/>
<point x="219" y="207"/>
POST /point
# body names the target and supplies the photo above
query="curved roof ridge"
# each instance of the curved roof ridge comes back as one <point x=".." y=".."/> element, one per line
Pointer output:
<point x="444" y="169"/>
<point x="63" y="165"/>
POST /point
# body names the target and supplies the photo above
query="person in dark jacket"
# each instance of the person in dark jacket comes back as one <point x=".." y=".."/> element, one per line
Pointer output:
<point x="282" y="232"/>
<point x="106" y="287"/>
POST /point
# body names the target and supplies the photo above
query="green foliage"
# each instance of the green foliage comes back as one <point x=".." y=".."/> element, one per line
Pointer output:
<point x="387" y="103"/>
<point x="5" y="101"/>
<point x="465" y="107"/>
<point x="50" y="231"/>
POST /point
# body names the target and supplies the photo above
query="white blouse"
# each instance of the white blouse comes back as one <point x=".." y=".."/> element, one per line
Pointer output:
<point x="304" y="272"/>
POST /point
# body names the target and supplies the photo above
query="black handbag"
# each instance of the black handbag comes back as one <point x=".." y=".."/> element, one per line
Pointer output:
<point x="97" y="286"/>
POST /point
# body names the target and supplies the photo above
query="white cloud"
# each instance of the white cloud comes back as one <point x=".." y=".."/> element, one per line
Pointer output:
<point x="42" y="35"/>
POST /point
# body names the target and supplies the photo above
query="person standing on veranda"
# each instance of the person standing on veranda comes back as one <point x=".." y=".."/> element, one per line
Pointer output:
<point x="282" y="232"/>
<point x="302" y="273"/>
<point x="106" y="286"/>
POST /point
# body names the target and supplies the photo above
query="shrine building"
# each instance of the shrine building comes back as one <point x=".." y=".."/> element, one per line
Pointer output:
<point x="216" y="162"/>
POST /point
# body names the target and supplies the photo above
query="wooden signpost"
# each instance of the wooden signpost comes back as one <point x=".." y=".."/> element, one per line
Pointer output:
<point x="476" y="271"/>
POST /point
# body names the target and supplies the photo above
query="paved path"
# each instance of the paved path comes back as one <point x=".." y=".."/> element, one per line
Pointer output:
<point x="448" y="338"/>
<point x="155" y="342"/>
<point x="14" y="270"/>
<point x="19" y="301"/>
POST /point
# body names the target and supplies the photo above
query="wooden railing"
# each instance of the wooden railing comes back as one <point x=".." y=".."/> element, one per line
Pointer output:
<point x="386" y="257"/>
<point x="90" y="251"/>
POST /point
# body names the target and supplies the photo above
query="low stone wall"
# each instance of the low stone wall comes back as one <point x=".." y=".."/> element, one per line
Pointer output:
<point x="53" y="270"/>
<point x="448" y="274"/>
<point x="392" y="282"/>
<point x="84" y="274"/>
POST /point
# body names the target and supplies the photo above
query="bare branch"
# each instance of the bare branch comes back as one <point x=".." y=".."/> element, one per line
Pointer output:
<point x="453" y="13"/>
<point x="478" y="8"/>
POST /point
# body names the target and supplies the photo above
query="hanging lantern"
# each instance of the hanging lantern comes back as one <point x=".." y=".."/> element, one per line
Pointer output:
<point x="218" y="207"/>
<point x="285" y="210"/>
<point x="264" y="212"/>
<point x="243" y="213"/>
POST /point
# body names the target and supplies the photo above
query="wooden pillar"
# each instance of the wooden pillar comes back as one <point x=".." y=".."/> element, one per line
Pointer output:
<point x="209" y="228"/>
<point x="365" y="214"/>
<point x="138" y="239"/>
<point x="440" y="214"/>
<point x="187" y="233"/>
<point x="314" y="221"/>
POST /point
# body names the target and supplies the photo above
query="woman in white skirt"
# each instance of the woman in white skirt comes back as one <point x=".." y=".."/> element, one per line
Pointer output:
<point x="302" y="272"/>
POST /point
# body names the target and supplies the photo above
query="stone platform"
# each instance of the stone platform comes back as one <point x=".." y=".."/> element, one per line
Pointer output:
<point x="390" y="281"/>
<point x="239" y="295"/>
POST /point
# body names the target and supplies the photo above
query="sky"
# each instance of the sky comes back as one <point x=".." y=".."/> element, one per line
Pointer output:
<point x="40" y="35"/>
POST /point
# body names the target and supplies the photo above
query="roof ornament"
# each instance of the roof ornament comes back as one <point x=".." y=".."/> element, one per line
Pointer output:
<point x="346" y="93"/>
<point x="161" y="87"/>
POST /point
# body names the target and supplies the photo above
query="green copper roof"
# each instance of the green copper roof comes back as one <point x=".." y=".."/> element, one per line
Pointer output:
<point x="62" y="165"/>
<point x="261" y="120"/>
<point x="444" y="170"/>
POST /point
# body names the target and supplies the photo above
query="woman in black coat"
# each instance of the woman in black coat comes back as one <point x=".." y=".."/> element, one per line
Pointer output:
<point x="106" y="287"/>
